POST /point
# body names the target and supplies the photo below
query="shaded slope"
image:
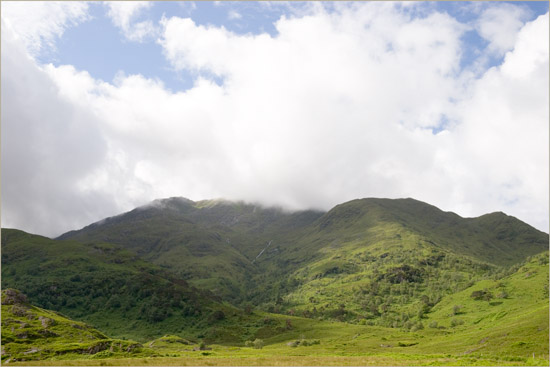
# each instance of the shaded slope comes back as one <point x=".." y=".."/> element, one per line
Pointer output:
<point x="32" y="333"/>
<point x="105" y="285"/>
<point x="212" y="243"/>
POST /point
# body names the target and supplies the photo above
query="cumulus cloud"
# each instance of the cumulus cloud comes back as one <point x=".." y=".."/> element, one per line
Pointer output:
<point x="39" y="24"/>
<point x="366" y="100"/>
<point x="48" y="143"/>
<point x="123" y="15"/>
<point x="504" y="131"/>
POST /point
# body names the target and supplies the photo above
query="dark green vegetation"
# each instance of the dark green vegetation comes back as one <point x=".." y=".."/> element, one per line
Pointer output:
<point x="372" y="277"/>
<point x="30" y="333"/>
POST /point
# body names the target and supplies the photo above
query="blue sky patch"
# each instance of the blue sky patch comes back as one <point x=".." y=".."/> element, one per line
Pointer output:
<point x="101" y="48"/>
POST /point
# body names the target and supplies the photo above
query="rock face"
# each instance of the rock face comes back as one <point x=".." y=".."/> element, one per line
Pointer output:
<point x="46" y="321"/>
<point x="13" y="297"/>
<point x="98" y="347"/>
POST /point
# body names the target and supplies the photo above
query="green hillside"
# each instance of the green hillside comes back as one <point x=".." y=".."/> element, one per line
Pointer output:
<point x="109" y="287"/>
<point x="510" y="328"/>
<point x="375" y="253"/>
<point x="239" y="250"/>
<point x="398" y="278"/>
<point x="212" y="244"/>
<point x="32" y="333"/>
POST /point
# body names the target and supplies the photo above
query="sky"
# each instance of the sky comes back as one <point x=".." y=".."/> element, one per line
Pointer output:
<point x="107" y="106"/>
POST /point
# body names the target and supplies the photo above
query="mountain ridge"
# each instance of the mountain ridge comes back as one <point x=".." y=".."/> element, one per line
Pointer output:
<point x="215" y="244"/>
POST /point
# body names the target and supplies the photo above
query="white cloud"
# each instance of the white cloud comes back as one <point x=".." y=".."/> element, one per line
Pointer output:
<point x="48" y="143"/>
<point x="233" y="14"/>
<point x="335" y="107"/>
<point x="499" y="24"/>
<point x="123" y="15"/>
<point x="504" y="131"/>
<point x="39" y="24"/>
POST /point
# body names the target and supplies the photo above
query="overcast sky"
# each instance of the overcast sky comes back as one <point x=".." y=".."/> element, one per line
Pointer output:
<point x="107" y="106"/>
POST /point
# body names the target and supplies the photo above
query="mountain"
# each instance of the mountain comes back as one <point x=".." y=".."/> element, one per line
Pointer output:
<point x="239" y="250"/>
<point x="230" y="272"/>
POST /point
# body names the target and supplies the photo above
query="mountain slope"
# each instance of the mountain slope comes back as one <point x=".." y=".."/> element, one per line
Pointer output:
<point x="368" y="241"/>
<point x="31" y="333"/>
<point x="245" y="252"/>
<point x="495" y="238"/>
<point x="212" y="244"/>
<point x="107" y="286"/>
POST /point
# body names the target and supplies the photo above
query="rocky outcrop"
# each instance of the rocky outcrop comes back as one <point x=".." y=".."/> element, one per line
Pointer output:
<point x="13" y="297"/>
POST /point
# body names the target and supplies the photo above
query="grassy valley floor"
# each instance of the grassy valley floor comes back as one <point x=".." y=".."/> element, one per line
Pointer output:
<point x="280" y="356"/>
<point x="312" y="342"/>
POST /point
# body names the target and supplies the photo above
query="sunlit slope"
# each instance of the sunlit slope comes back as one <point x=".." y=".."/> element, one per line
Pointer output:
<point x="502" y="315"/>
<point x="503" y="320"/>
<point x="382" y="256"/>
<point x="494" y="238"/>
<point x="500" y="321"/>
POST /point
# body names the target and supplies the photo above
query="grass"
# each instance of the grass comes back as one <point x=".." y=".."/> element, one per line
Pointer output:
<point x="282" y="360"/>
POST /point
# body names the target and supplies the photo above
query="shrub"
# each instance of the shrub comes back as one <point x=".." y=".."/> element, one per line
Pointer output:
<point x="433" y="324"/>
<point x="258" y="344"/>
<point x="293" y="344"/>
<point x="456" y="322"/>
<point x="502" y="294"/>
<point x="481" y="295"/>
<point x="456" y="310"/>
